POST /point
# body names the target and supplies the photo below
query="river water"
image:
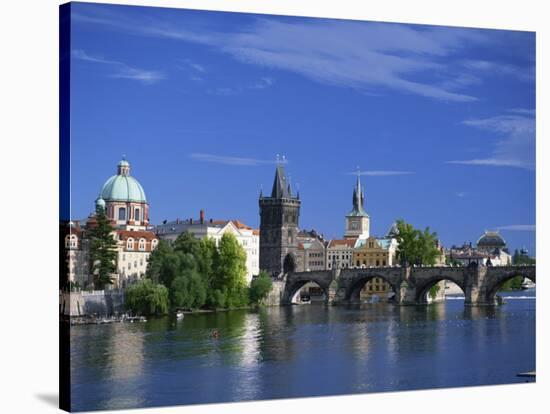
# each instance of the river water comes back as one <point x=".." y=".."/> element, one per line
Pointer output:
<point x="299" y="351"/>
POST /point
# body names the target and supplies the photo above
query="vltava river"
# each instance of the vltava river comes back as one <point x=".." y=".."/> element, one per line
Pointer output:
<point x="298" y="351"/>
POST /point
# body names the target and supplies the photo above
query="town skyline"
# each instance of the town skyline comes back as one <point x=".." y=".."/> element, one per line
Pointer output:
<point x="201" y="138"/>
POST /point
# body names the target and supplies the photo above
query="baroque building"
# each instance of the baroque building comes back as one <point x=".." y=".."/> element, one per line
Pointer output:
<point x="279" y="220"/>
<point x="490" y="250"/>
<point x="123" y="199"/>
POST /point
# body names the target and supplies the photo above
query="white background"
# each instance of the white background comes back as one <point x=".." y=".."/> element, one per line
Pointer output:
<point x="29" y="203"/>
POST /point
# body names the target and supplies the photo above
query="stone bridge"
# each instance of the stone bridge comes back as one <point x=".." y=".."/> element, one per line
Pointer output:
<point x="410" y="284"/>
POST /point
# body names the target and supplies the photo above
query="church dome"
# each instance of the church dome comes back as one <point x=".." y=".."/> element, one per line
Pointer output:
<point x="491" y="239"/>
<point x="123" y="187"/>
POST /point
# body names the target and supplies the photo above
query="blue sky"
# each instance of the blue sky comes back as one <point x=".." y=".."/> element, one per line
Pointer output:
<point x="440" y="121"/>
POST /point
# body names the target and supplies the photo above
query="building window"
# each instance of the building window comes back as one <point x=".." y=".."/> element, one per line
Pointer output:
<point x="136" y="214"/>
<point x="130" y="244"/>
<point x="122" y="213"/>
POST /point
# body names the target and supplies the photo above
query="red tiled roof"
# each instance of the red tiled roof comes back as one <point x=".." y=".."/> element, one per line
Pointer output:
<point x="342" y="242"/>
<point x="241" y="225"/>
<point x="136" y="234"/>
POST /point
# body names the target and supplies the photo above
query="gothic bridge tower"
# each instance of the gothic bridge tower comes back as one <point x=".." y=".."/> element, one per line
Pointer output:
<point x="279" y="216"/>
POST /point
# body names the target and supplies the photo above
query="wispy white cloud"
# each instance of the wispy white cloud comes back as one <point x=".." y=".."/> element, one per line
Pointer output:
<point x="120" y="69"/>
<point x="368" y="57"/>
<point x="229" y="160"/>
<point x="381" y="173"/>
<point x="461" y="194"/>
<point x="518" y="227"/>
<point x="516" y="148"/>
<point x="263" y="83"/>
<point x="500" y="68"/>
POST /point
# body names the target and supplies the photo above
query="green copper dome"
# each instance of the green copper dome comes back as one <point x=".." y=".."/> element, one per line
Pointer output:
<point x="123" y="187"/>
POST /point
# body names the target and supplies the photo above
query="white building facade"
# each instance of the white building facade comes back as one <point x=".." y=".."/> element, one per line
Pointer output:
<point x="247" y="237"/>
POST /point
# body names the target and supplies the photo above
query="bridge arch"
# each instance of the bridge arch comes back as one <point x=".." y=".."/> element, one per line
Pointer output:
<point x="353" y="291"/>
<point x="500" y="278"/>
<point x="291" y="291"/>
<point x="296" y="281"/>
<point x="423" y="288"/>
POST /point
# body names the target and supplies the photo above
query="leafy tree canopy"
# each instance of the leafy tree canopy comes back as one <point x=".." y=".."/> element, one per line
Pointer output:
<point x="260" y="287"/>
<point x="416" y="246"/>
<point x="147" y="298"/>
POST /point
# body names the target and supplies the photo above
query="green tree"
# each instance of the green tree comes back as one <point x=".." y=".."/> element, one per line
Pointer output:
<point x="260" y="287"/>
<point x="156" y="265"/>
<point x="229" y="274"/>
<point x="513" y="284"/>
<point x="415" y="246"/>
<point x="188" y="289"/>
<point x="146" y="298"/>
<point x="103" y="252"/>
<point x="187" y="243"/>
<point x="522" y="258"/>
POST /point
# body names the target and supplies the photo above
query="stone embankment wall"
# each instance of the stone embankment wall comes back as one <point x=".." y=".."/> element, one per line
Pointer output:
<point x="98" y="302"/>
<point x="276" y="293"/>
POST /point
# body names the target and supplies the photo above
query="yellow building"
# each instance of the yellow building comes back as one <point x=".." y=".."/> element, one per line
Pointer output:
<point x="373" y="252"/>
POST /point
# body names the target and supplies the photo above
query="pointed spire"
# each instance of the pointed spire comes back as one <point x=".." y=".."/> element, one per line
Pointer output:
<point x="281" y="185"/>
<point x="358" y="197"/>
<point x="289" y="186"/>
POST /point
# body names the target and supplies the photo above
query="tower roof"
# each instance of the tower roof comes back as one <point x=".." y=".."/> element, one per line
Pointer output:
<point x="281" y="186"/>
<point x="358" y="199"/>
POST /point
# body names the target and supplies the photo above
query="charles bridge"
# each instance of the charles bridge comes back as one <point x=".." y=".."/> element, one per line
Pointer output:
<point x="410" y="285"/>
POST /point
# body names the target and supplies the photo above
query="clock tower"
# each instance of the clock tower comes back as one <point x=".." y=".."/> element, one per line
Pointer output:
<point x="357" y="220"/>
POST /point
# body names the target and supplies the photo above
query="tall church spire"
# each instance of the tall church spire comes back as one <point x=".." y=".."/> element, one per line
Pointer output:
<point x="358" y="198"/>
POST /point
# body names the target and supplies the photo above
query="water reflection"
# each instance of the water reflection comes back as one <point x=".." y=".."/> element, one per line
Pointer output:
<point x="300" y="351"/>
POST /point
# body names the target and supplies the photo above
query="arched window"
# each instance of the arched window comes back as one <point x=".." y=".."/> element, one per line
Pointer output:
<point x="130" y="244"/>
<point x="136" y="214"/>
<point x="122" y="213"/>
<point x="141" y="245"/>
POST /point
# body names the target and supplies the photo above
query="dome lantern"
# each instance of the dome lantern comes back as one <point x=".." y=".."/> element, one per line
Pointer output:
<point x="123" y="167"/>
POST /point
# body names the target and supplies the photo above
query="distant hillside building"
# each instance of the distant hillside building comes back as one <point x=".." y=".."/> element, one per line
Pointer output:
<point x="247" y="237"/>
<point x="279" y="223"/>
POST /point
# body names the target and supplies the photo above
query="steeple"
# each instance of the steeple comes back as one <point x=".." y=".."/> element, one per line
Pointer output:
<point x="281" y="186"/>
<point x="358" y="198"/>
